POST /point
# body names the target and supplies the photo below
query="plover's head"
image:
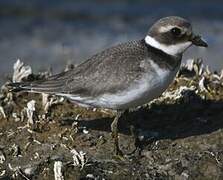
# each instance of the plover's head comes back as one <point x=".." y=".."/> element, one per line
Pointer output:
<point x="173" y="35"/>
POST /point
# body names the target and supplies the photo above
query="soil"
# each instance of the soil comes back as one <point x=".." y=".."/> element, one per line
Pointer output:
<point x="178" y="137"/>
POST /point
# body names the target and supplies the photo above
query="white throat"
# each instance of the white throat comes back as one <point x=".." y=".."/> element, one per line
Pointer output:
<point x="173" y="50"/>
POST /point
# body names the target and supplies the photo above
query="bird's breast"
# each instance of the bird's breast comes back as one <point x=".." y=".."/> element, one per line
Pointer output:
<point x="151" y="85"/>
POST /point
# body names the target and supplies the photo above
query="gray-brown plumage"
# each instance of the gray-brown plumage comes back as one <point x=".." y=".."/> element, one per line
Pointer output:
<point x="107" y="72"/>
<point x="127" y="75"/>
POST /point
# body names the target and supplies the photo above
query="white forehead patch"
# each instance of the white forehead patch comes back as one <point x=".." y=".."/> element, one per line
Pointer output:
<point x="167" y="28"/>
<point x="173" y="49"/>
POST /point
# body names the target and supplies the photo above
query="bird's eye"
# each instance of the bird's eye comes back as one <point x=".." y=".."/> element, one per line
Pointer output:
<point x="176" y="31"/>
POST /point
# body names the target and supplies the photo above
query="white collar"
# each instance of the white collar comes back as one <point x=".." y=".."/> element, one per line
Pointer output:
<point x="173" y="49"/>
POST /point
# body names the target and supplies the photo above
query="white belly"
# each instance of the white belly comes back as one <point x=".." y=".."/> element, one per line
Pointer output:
<point x="149" y="87"/>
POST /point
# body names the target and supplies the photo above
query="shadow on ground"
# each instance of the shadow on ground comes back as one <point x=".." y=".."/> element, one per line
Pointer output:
<point x="168" y="121"/>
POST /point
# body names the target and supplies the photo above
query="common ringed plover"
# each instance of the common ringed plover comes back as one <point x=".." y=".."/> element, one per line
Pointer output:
<point x="127" y="75"/>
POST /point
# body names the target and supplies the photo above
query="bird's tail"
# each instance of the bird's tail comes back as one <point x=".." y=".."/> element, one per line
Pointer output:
<point x="53" y="85"/>
<point x="17" y="87"/>
<point x="47" y="86"/>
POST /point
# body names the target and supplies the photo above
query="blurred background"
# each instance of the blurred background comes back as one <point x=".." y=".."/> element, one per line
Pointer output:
<point x="52" y="33"/>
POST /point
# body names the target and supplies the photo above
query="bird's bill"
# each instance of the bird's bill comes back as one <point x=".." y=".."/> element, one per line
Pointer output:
<point x="198" y="41"/>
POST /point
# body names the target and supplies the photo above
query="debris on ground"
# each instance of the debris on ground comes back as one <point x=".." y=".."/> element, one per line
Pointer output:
<point x="180" y="133"/>
<point x="21" y="71"/>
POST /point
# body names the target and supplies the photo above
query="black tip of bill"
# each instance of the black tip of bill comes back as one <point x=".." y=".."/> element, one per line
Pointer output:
<point x="198" y="41"/>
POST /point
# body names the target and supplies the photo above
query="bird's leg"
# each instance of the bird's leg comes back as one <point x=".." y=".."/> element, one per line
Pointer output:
<point x="134" y="134"/>
<point x="114" y="129"/>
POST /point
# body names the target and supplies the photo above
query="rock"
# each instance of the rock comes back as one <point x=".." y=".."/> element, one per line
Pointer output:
<point x="30" y="171"/>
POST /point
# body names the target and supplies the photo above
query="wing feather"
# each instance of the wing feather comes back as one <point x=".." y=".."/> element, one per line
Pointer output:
<point x="106" y="72"/>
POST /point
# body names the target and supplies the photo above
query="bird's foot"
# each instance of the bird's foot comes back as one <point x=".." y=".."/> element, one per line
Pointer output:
<point x="118" y="154"/>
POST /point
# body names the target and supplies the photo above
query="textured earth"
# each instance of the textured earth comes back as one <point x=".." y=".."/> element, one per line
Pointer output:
<point x="179" y="135"/>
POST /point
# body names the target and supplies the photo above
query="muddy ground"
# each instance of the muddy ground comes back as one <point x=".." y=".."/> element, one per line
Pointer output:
<point x="180" y="136"/>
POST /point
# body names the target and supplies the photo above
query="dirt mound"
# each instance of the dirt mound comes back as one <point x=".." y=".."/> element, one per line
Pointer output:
<point x="180" y="134"/>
